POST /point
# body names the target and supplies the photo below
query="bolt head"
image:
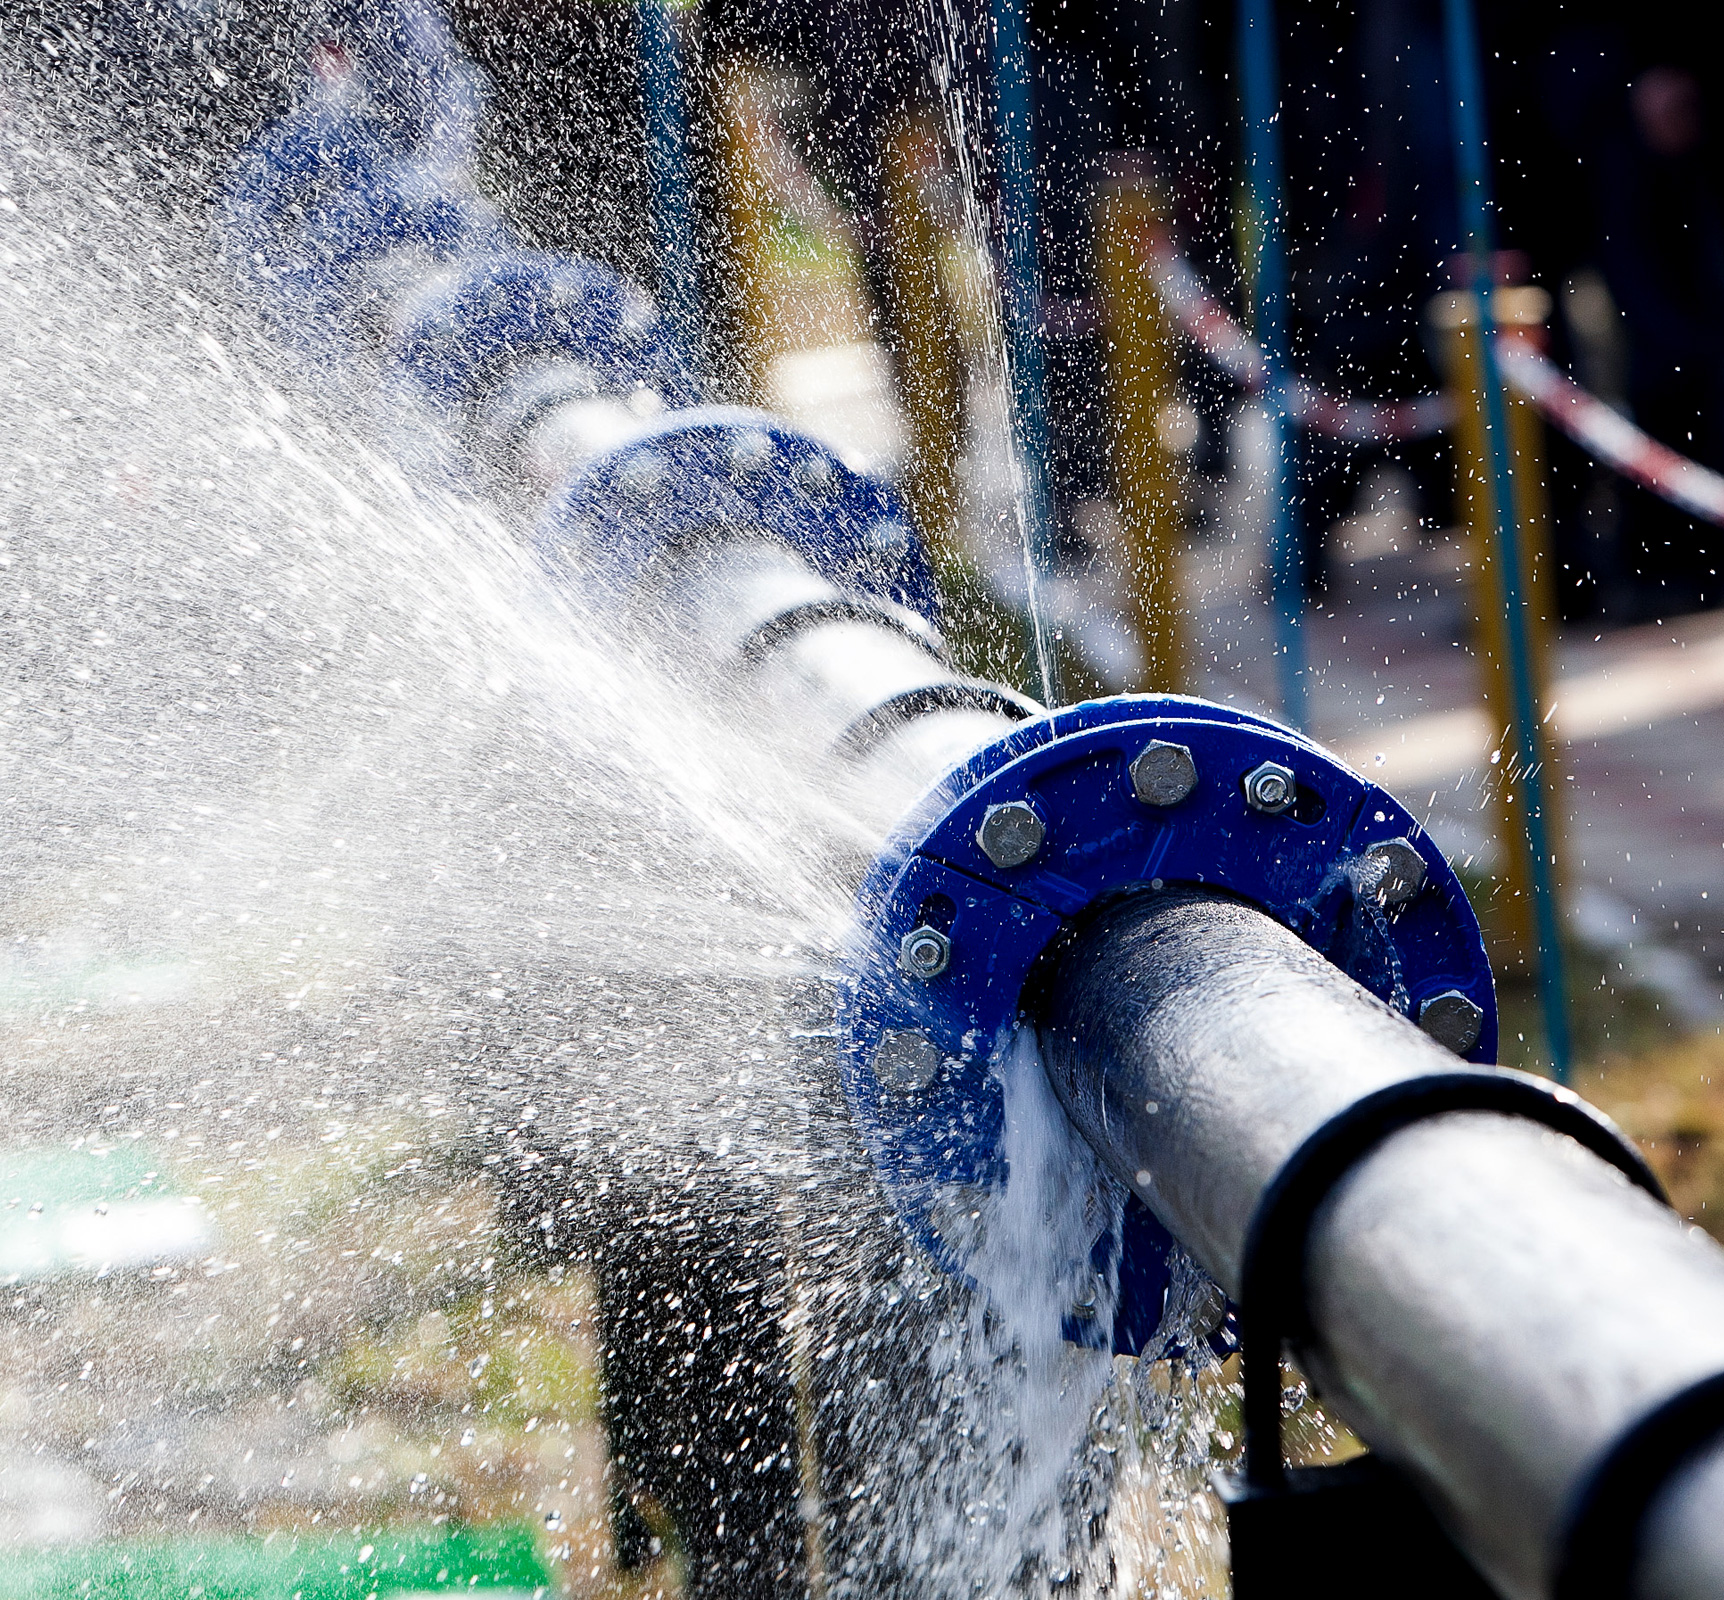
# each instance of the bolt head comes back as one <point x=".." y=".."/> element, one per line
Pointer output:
<point x="1208" y="1309"/>
<point x="1453" y="1020"/>
<point x="1011" y="834"/>
<point x="1270" y="788"/>
<point x="641" y="476"/>
<point x="1163" y="774"/>
<point x="888" y="536"/>
<point x="815" y="475"/>
<point x="958" y="1215"/>
<point x="750" y="452"/>
<point x="1397" y="871"/>
<point x="906" y="1061"/>
<point x="924" y="953"/>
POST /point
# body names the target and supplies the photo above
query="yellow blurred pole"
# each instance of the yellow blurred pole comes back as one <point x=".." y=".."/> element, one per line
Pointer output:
<point x="1141" y="362"/>
<point x="922" y="328"/>
<point x="1521" y="313"/>
<point x="746" y="283"/>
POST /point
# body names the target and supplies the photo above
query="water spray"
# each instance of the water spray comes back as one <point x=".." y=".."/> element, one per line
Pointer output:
<point x="1259" y="990"/>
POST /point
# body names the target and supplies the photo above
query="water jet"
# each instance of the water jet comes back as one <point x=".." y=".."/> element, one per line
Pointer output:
<point x="1224" y="941"/>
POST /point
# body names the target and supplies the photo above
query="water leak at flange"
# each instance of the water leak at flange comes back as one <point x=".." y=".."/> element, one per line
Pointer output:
<point x="334" y="837"/>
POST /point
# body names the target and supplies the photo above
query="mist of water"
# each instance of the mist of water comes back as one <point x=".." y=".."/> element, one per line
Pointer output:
<point x="347" y="861"/>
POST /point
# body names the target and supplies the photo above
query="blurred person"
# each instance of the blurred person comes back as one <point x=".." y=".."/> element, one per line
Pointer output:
<point x="1662" y="251"/>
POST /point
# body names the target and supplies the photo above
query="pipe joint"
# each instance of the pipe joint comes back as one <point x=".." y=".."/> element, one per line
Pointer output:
<point x="1136" y="791"/>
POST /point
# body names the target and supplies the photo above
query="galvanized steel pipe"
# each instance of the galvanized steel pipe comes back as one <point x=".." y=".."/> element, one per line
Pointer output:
<point x="1493" y="1306"/>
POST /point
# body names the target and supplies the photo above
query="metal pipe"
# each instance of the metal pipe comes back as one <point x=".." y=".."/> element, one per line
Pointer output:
<point x="839" y="673"/>
<point x="664" y="101"/>
<point x="1020" y="247"/>
<point x="1492" y="1305"/>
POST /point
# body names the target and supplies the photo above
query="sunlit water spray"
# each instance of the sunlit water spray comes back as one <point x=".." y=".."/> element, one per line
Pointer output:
<point x="348" y="857"/>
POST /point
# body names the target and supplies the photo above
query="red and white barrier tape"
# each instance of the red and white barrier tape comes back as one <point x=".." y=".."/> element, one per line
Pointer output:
<point x="1230" y="347"/>
<point x="1603" y="433"/>
<point x="1608" y="436"/>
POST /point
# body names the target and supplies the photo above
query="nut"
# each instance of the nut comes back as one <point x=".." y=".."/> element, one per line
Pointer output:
<point x="1011" y="834"/>
<point x="1163" y="774"/>
<point x="886" y="534"/>
<point x="1208" y="1308"/>
<point x="1270" y="788"/>
<point x="1452" y="1020"/>
<point x="750" y="452"/>
<point x="641" y="476"/>
<point x="906" y="1061"/>
<point x="1397" y="872"/>
<point x="815" y="476"/>
<point x="924" y="953"/>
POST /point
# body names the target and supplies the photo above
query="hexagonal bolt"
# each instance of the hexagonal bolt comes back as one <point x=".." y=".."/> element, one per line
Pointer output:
<point x="1453" y="1020"/>
<point x="887" y="534"/>
<point x="1397" y="871"/>
<point x="924" y="953"/>
<point x="815" y="476"/>
<point x="1011" y="834"/>
<point x="1270" y="788"/>
<point x="1208" y="1309"/>
<point x="958" y="1215"/>
<point x="1163" y="774"/>
<point x="907" y="1060"/>
<point x="750" y="452"/>
<point x="643" y="474"/>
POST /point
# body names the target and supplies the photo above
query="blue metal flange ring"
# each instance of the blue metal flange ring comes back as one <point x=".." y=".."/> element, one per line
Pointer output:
<point x="496" y="309"/>
<point x="689" y="473"/>
<point x="1158" y="790"/>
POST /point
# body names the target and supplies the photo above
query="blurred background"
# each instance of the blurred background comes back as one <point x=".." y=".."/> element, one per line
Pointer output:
<point x="1191" y="524"/>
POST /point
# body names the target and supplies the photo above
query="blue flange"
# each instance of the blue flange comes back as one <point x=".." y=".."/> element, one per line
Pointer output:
<point x="935" y="1133"/>
<point x="374" y="157"/>
<point x="714" y="468"/>
<point x="492" y="310"/>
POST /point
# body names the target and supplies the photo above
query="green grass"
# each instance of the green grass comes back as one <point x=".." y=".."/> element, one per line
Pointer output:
<point x="284" y="1567"/>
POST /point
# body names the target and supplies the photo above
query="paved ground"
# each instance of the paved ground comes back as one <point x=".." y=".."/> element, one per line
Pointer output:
<point x="1394" y="685"/>
<point x="1638" y="725"/>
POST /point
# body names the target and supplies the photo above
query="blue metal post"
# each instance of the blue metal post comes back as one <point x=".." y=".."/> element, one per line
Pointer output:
<point x="665" y="104"/>
<point x="1466" y="90"/>
<point x="1259" y="78"/>
<point x="1015" y="143"/>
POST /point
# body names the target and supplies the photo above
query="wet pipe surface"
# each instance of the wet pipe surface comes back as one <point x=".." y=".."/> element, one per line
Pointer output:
<point x="937" y="1145"/>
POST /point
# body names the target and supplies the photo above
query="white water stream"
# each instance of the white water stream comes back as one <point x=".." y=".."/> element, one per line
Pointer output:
<point x="343" y="859"/>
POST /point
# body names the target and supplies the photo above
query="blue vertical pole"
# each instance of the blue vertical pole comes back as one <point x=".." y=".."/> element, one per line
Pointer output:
<point x="1259" y="81"/>
<point x="1472" y="174"/>
<point x="1015" y="143"/>
<point x="665" y="103"/>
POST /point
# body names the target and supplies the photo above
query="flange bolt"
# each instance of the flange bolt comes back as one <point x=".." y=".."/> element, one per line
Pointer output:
<point x="1011" y="834"/>
<point x="906" y="1061"/>
<point x="1452" y="1020"/>
<point x="1270" y="788"/>
<point x="1397" y="872"/>
<point x="750" y="452"/>
<point x="1163" y="774"/>
<point x="924" y="953"/>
